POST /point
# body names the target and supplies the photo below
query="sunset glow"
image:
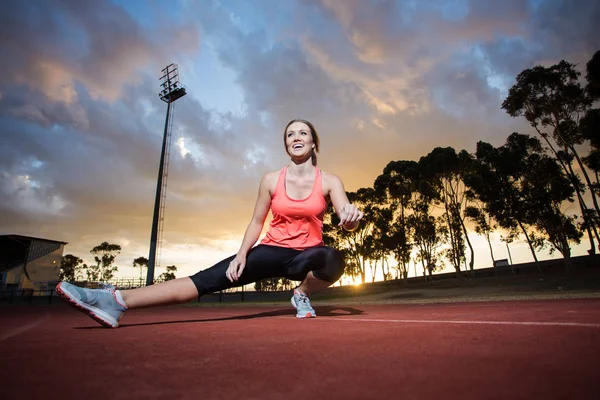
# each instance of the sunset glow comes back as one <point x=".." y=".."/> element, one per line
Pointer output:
<point x="381" y="81"/>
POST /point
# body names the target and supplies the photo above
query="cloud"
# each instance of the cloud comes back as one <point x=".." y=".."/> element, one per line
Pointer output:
<point x="63" y="43"/>
<point x="564" y="31"/>
<point x="381" y="80"/>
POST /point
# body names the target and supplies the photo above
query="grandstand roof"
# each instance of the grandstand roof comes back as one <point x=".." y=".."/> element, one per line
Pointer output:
<point x="16" y="250"/>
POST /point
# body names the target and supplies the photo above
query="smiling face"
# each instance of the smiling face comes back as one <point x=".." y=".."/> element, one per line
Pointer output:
<point x="301" y="140"/>
<point x="298" y="140"/>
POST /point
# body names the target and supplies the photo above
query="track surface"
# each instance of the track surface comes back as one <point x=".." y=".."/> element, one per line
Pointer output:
<point x="499" y="350"/>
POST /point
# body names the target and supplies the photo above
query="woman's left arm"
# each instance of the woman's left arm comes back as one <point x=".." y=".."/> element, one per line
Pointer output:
<point x="347" y="212"/>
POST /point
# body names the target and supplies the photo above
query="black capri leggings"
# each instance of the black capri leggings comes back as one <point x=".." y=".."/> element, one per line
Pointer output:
<point x="265" y="261"/>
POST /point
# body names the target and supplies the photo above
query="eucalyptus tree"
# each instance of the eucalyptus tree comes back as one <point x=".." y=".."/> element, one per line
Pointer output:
<point x="141" y="263"/>
<point x="104" y="255"/>
<point x="428" y="237"/>
<point x="371" y="254"/>
<point x="593" y="76"/>
<point x="379" y="244"/>
<point x="385" y="226"/>
<point x="590" y="129"/>
<point x="547" y="190"/>
<point x="398" y="187"/>
<point x="590" y="124"/>
<point x="428" y="231"/>
<point x="92" y="272"/>
<point x="484" y="224"/>
<point x="521" y="186"/>
<point x="332" y="237"/>
<point x="553" y="101"/>
<point x="401" y="243"/>
<point x="444" y="169"/>
<point x="169" y="274"/>
<point x="354" y="243"/>
<point x="71" y="268"/>
<point x="495" y="179"/>
<point x="352" y="266"/>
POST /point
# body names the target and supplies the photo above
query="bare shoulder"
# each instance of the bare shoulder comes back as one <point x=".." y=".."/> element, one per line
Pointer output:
<point x="330" y="178"/>
<point x="269" y="181"/>
<point x="269" y="176"/>
<point x="330" y="182"/>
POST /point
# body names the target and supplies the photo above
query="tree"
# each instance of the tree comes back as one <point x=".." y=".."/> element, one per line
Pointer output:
<point x="495" y="178"/>
<point x="590" y="129"/>
<point x="484" y="224"/>
<point x="105" y="255"/>
<point x="384" y="239"/>
<point x="402" y="246"/>
<point x="553" y="101"/>
<point x="397" y="186"/>
<point x="141" y="263"/>
<point x="428" y="237"/>
<point x="546" y="190"/>
<point x="443" y="168"/>
<point x="168" y="275"/>
<point x="352" y="242"/>
<point x="593" y="76"/>
<point x="352" y="267"/>
<point x="71" y="268"/>
<point x="92" y="272"/>
<point x="428" y="232"/>
<point x="522" y="187"/>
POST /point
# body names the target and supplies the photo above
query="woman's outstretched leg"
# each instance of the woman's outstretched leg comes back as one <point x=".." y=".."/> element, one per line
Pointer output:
<point x="180" y="290"/>
<point x="108" y="305"/>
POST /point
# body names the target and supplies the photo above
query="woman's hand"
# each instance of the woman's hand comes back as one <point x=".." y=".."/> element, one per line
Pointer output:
<point x="236" y="267"/>
<point x="350" y="217"/>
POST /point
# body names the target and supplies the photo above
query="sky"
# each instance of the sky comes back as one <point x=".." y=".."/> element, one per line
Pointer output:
<point x="82" y="123"/>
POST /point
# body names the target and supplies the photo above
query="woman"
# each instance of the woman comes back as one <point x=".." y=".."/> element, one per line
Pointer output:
<point x="293" y="247"/>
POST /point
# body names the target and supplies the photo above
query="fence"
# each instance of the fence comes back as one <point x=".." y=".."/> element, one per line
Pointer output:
<point x="46" y="293"/>
<point x="28" y="296"/>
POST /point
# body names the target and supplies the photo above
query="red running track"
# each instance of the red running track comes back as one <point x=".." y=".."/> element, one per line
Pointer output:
<point x="504" y="350"/>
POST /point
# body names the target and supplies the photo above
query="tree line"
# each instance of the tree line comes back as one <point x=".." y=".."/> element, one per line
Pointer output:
<point x="73" y="268"/>
<point x="419" y="210"/>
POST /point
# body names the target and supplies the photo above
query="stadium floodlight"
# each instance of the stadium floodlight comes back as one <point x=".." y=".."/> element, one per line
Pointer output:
<point x="172" y="90"/>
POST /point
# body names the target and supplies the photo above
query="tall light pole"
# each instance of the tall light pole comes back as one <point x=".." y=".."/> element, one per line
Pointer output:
<point x="170" y="92"/>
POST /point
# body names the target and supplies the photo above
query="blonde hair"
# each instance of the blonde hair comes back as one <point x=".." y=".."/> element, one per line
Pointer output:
<point x="313" y="133"/>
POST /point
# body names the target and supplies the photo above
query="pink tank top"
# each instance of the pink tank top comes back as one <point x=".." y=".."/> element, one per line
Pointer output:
<point x="297" y="224"/>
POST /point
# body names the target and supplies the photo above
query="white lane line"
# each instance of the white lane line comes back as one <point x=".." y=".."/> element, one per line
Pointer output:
<point x="434" y="321"/>
<point x="23" y="328"/>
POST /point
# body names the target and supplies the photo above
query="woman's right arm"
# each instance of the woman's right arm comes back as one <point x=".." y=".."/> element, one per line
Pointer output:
<point x="261" y="210"/>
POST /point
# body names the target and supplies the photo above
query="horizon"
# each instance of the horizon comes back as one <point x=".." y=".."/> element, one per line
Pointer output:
<point x="83" y="122"/>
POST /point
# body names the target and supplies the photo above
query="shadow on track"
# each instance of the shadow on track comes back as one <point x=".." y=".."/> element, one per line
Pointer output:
<point x="322" y="311"/>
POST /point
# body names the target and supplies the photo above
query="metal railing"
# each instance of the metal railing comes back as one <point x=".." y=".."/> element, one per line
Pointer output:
<point x="28" y="296"/>
<point x="45" y="292"/>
